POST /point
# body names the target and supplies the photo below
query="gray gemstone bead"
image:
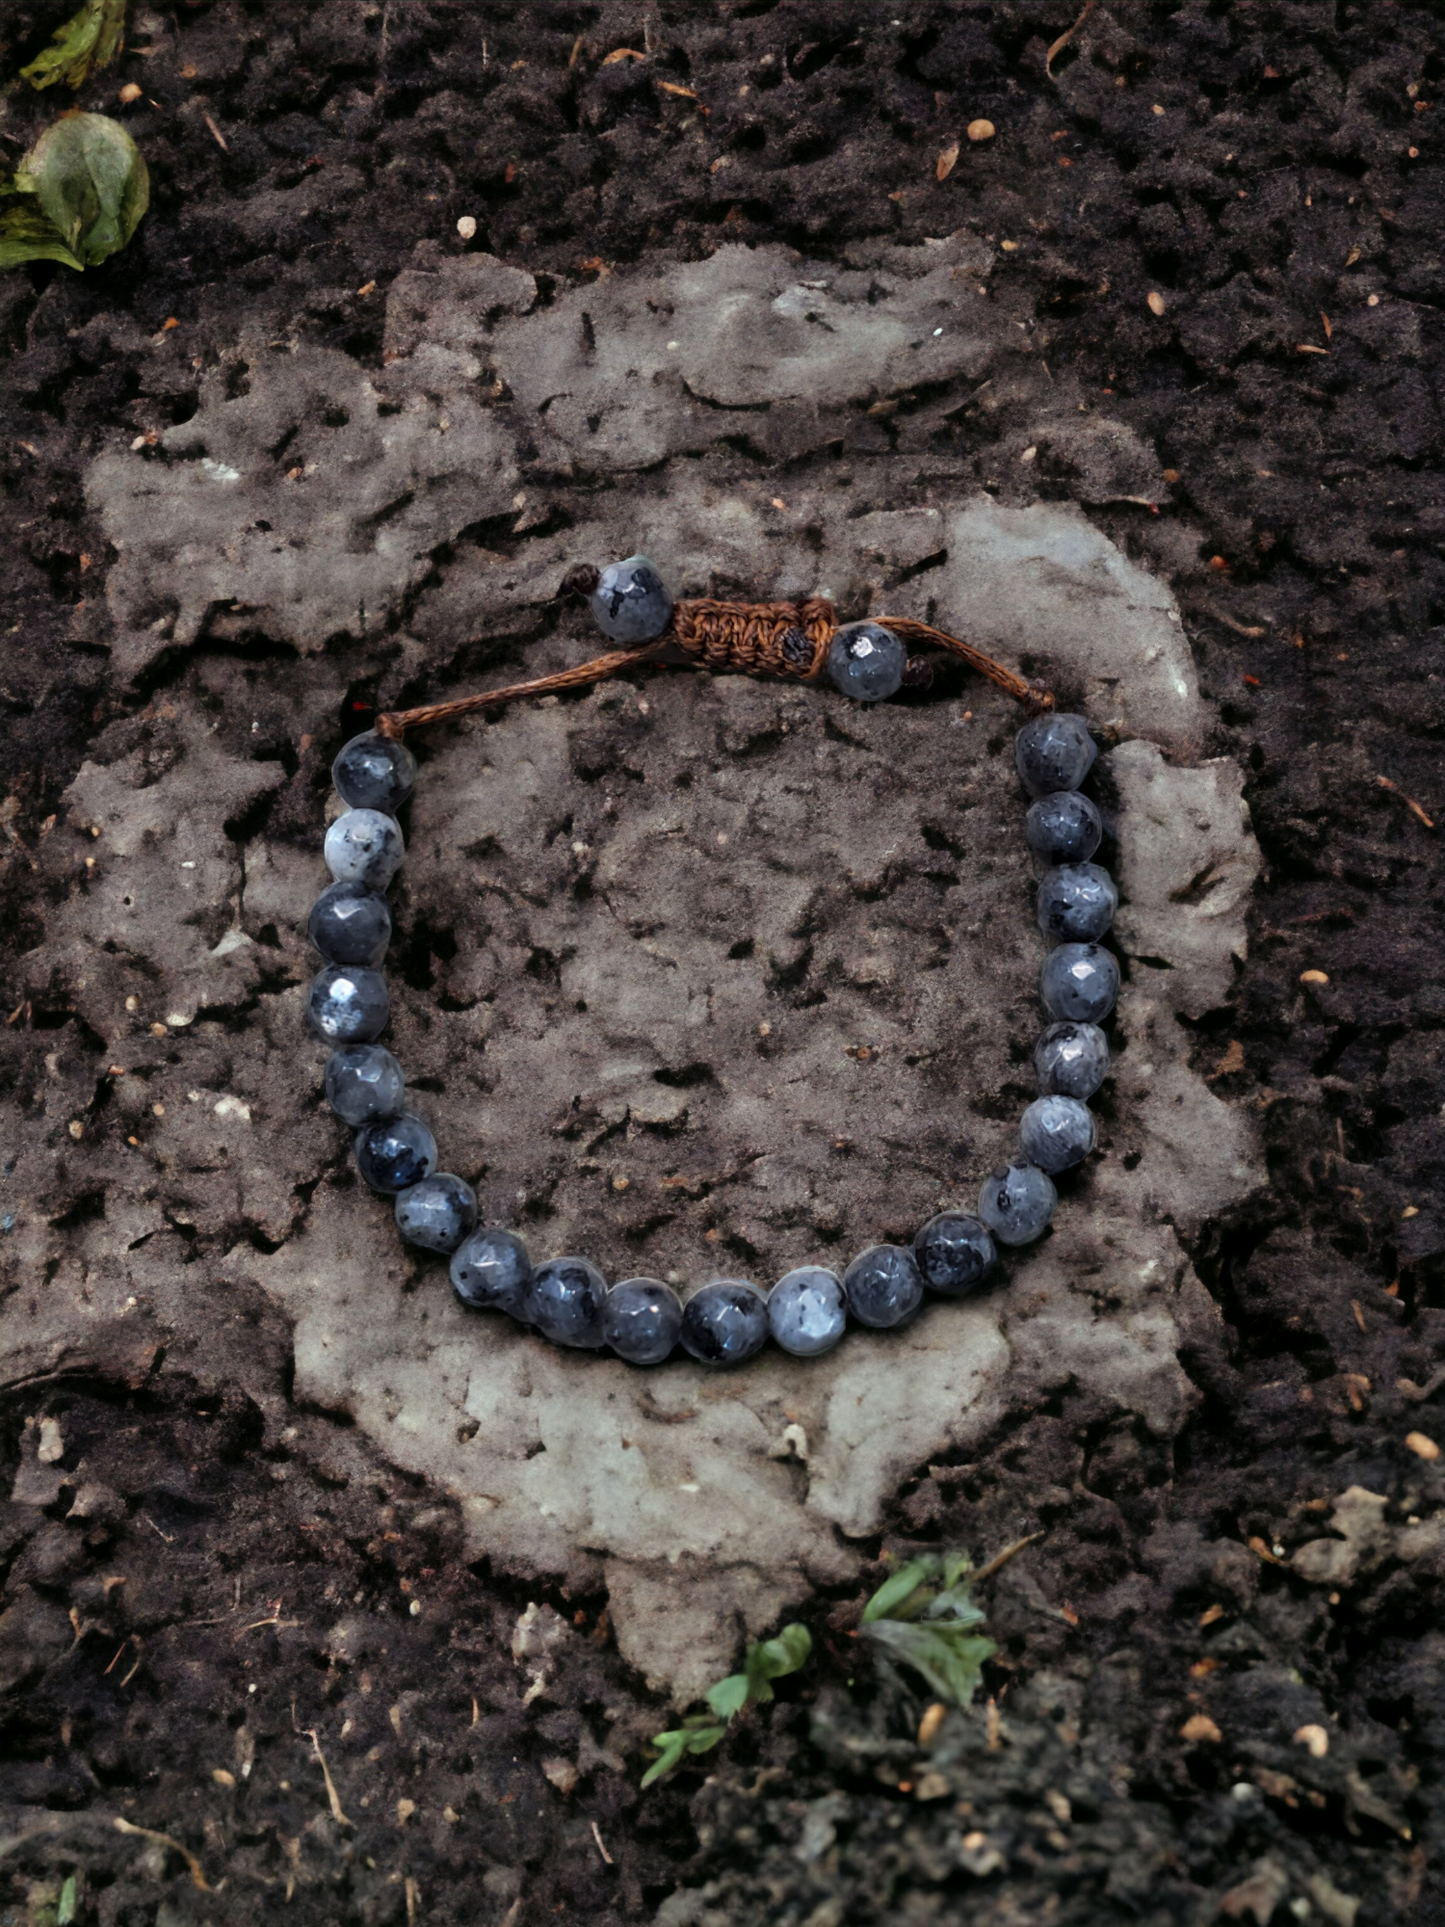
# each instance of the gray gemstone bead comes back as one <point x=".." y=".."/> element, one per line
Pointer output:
<point x="1079" y="982"/>
<point x="866" y="661"/>
<point x="954" y="1251"/>
<point x="1071" y="1060"/>
<point x="631" y="602"/>
<point x="491" y="1270"/>
<point x="364" y="847"/>
<point x="1053" y="753"/>
<point x="641" y="1320"/>
<point x="884" y="1286"/>
<point x="437" y="1213"/>
<point x="1016" y="1203"/>
<point x="725" y="1322"/>
<point x="807" y="1311"/>
<point x="350" y="924"/>
<point x="565" y="1301"/>
<point x="347" y="1006"/>
<point x="374" y="772"/>
<point x="1064" y="828"/>
<point x="395" y="1153"/>
<point x="1077" y="902"/>
<point x="1055" y="1132"/>
<point x="364" y="1084"/>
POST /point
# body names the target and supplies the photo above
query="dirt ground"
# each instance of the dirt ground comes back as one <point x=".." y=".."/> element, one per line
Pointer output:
<point x="208" y="1573"/>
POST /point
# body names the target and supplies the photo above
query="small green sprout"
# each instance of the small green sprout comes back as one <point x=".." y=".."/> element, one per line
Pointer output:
<point x="923" y="1616"/>
<point x="88" y="41"/>
<point x="767" y="1660"/>
<point x="76" y="197"/>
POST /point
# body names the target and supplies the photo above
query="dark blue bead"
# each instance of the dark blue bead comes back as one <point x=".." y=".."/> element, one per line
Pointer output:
<point x="1077" y="902"/>
<point x="631" y="602"/>
<point x="348" y="1005"/>
<point x="725" y="1323"/>
<point x="884" y="1286"/>
<point x="437" y="1213"/>
<point x="565" y="1301"/>
<point x="866" y="661"/>
<point x="954" y="1251"/>
<point x="1055" y="1132"/>
<point x="374" y="773"/>
<point x="396" y="1153"/>
<point x="641" y="1320"/>
<point x="364" y="847"/>
<point x="1053" y="752"/>
<point x="1079" y="983"/>
<point x="1016" y="1203"/>
<point x="491" y="1270"/>
<point x="364" y="1083"/>
<point x="350" y="924"/>
<point x="1064" y="828"/>
<point x="1071" y="1060"/>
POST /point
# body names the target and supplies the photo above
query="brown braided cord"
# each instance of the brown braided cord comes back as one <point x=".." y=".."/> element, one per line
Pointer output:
<point x="757" y="638"/>
<point x="787" y="639"/>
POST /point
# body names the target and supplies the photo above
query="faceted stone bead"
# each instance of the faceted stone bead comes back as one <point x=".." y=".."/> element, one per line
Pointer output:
<point x="374" y="772"/>
<point x="1077" y="902"/>
<point x="807" y="1311"/>
<point x="347" y="1006"/>
<point x="1064" y="828"/>
<point x="565" y="1301"/>
<point x="1053" y="753"/>
<point x="350" y="924"/>
<point x="725" y="1323"/>
<point x="631" y="602"/>
<point x="953" y="1251"/>
<point x="437" y="1213"/>
<point x="364" y="1083"/>
<point x="884" y="1286"/>
<point x="1080" y="982"/>
<point x="1055" y="1132"/>
<point x="641" y="1320"/>
<point x="1016" y="1203"/>
<point x="364" y="847"/>
<point x="1071" y="1060"/>
<point x="491" y="1270"/>
<point x="866" y="661"/>
<point x="395" y="1153"/>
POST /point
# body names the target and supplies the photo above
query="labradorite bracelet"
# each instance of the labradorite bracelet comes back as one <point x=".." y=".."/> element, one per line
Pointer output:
<point x="642" y="1320"/>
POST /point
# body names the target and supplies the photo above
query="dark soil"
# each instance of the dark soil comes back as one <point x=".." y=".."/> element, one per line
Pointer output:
<point x="1287" y="199"/>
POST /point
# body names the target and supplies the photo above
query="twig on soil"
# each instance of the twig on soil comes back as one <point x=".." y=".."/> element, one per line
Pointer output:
<point x="168" y="1840"/>
<point x="1064" y="39"/>
<point x="1409" y="801"/>
<point x="1230" y="622"/>
<point x="220" y="137"/>
<point x="596" y="1835"/>
<point x="331" y="1794"/>
<point x="168" y="1537"/>
<point x="1001" y="1559"/>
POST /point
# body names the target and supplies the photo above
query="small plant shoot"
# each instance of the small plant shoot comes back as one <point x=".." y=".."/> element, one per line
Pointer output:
<point x="76" y="197"/>
<point x="88" y="41"/>
<point x="922" y="1616"/>
<point x="767" y="1660"/>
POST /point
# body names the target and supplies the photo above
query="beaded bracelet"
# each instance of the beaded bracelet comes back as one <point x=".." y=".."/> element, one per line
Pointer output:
<point x="567" y="1299"/>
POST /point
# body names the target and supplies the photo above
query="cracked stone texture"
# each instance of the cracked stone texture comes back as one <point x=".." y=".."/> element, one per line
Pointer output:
<point x="698" y="976"/>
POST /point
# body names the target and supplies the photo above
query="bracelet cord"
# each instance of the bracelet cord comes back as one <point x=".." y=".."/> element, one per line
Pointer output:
<point x="787" y="639"/>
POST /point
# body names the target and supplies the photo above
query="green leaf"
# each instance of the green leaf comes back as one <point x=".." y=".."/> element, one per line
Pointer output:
<point x="898" y="1590"/>
<point x="87" y="42"/>
<point x="946" y="1657"/>
<point x="729" y="1696"/>
<point x="774" y="1659"/>
<point x="65" y="1911"/>
<point x="89" y="177"/>
<point x="26" y="235"/>
<point x="695" y="1735"/>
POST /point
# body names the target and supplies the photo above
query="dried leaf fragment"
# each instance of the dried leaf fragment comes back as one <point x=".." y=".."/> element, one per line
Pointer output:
<point x="1315" y="1739"/>
<point x="621" y="53"/>
<point x="947" y="161"/>
<point x="1199" y="1728"/>
<point x="1423" y="1446"/>
<point x="1156" y="301"/>
<point x="980" y="130"/>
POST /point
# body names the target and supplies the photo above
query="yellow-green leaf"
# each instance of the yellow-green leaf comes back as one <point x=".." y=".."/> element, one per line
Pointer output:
<point x="26" y="235"/>
<point x="91" y="181"/>
<point x="87" y="42"/>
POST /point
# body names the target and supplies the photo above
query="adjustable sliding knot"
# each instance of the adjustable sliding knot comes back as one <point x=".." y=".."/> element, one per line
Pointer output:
<point x="755" y="638"/>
